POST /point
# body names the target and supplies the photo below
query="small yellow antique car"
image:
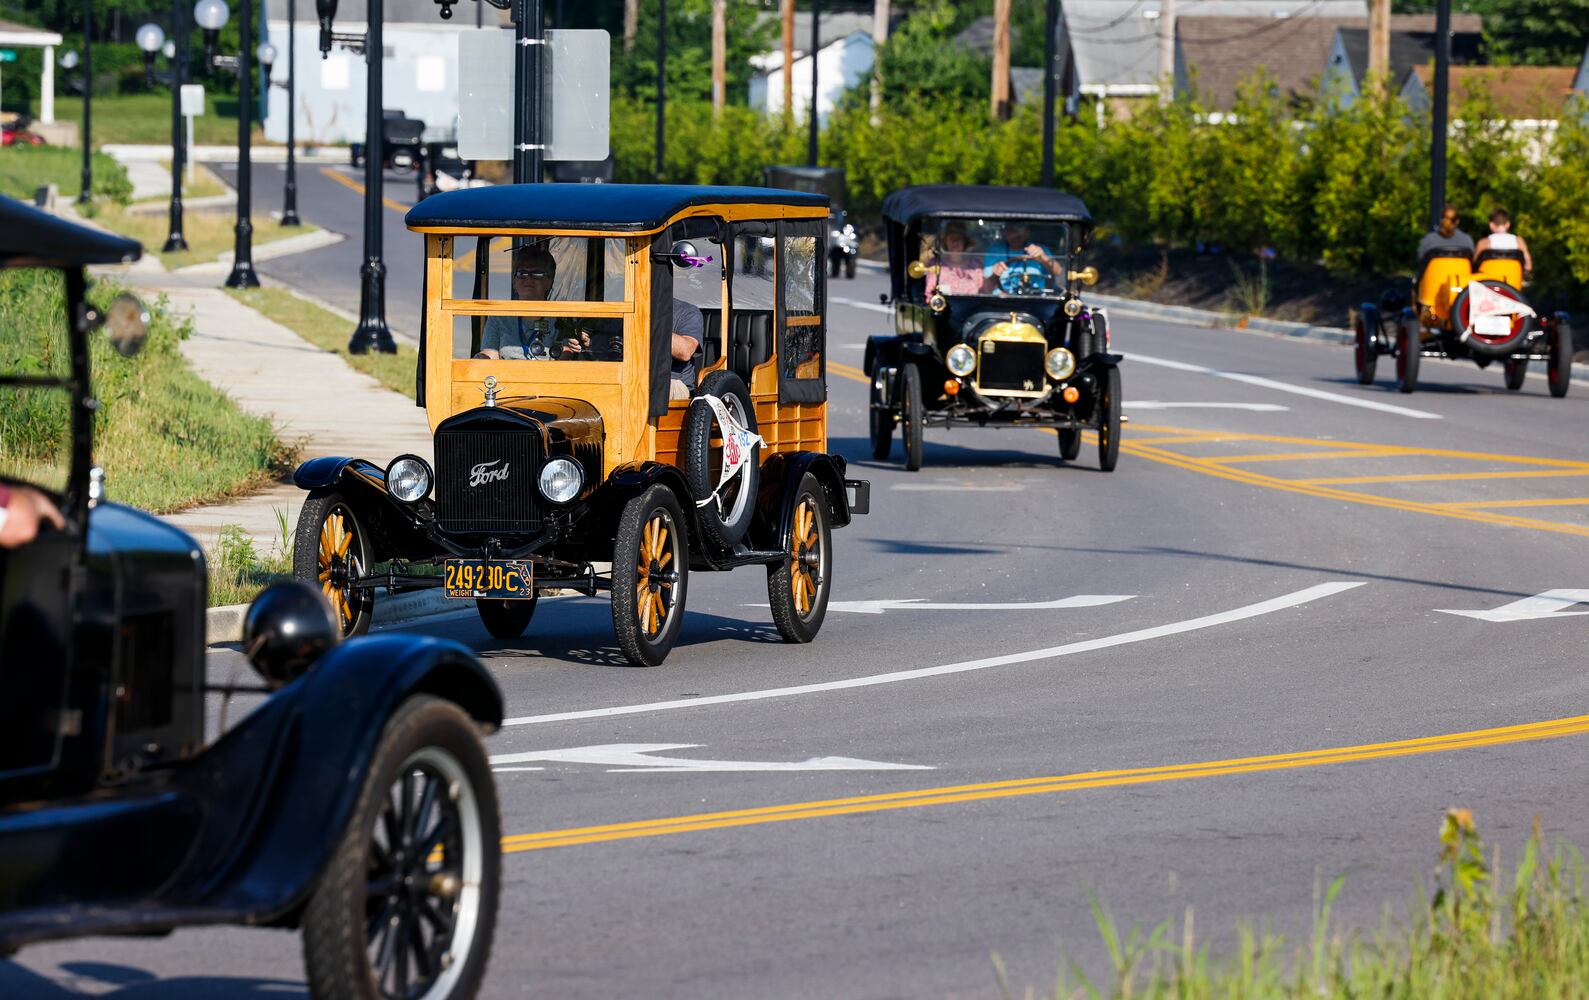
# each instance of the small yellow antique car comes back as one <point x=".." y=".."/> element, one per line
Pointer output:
<point x="1465" y="309"/>
<point x="614" y="405"/>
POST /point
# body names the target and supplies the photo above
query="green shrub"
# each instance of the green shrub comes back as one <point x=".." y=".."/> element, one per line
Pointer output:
<point x="24" y="169"/>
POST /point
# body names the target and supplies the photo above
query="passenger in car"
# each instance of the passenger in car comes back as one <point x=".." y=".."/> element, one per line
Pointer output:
<point x="1502" y="238"/>
<point x="689" y="330"/>
<point x="22" y="510"/>
<point x="959" y="269"/>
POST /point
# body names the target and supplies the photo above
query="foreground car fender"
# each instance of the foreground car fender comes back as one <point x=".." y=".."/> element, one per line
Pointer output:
<point x="780" y="487"/>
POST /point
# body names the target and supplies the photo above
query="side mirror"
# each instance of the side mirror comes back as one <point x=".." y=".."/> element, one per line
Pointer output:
<point x="917" y="270"/>
<point x="127" y="324"/>
<point x="683" y="254"/>
<point x="289" y="626"/>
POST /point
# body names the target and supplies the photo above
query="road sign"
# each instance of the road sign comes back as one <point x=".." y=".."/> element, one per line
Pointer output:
<point x="8" y="55"/>
<point x="576" y="72"/>
<point x="192" y="99"/>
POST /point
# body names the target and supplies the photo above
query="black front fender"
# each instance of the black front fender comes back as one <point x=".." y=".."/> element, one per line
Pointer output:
<point x="397" y="529"/>
<point x="780" y="488"/>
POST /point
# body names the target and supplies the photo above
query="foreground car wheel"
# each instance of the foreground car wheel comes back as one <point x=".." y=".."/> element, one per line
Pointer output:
<point x="1408" y="348"/>
<point x="506" y="619"/>
<point x="1069" y="443"/>
<point x="330" y="551"/>
<point x="798" y="587"/>
<point x="650" y="568"/>
<point x="1366" y="352"/>
<point x="1558" y="369"/>
<point x="912" y="420"/>
<point x="1109" y="423"/>
<point x="408" y="903"/>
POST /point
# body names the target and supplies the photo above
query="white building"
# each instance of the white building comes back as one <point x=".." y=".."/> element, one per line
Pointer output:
<point x="844" y="59"/>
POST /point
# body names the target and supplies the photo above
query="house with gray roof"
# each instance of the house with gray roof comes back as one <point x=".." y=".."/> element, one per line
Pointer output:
<point x="1412" y="43"/>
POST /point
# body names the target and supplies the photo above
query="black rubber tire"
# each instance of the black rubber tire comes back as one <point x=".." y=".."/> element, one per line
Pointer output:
<point x="703" y="462"/>
<point x="638" y="647"/>
<point x="912" y="419"/>
<point x="813" y="552"/>
<point x="849" y="266"/>
<point x="506" y="619"/>
<point x="881" y="426"/>
<point x="1513" y="371"/>
<point x="354" y="608"/>
<point x="1365" y="352"/>
<point x="1409" y="347"/>
<point x="1069" y="443"/>
<point x="424" y="732"/>
<point x="1558" y="370"/>
<point x="1109" y="420"/>
<point x="833" y="265"/>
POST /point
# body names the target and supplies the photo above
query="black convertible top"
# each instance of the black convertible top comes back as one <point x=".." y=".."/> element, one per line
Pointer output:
<point x="911" y="204"/>
<point x="31" y="238"/>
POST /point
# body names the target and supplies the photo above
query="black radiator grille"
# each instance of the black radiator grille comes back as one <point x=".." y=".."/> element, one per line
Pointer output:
<point x="505" y="467"/>
<point x="1011" y="366"/>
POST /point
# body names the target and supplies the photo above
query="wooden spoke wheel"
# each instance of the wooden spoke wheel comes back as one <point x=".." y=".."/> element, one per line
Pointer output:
<point x="331" y="551"/>
<point x="407" y="905"/>
<point x="798" y="587"/>
<point x="650" y="570"/>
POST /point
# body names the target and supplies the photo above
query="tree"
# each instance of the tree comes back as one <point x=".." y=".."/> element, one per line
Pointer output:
<point x="1524" y="32"/>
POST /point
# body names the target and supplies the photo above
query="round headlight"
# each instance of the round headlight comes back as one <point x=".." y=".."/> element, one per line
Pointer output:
<point x="1059" y="363"/>
<point x="962" y="360"/>
<point x="1073" y="308"/>
<point x="408" y="478"/>
<point x="562" y="479"/>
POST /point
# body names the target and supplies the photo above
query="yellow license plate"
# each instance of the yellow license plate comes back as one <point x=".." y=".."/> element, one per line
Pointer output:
<point x="480" y="578"/>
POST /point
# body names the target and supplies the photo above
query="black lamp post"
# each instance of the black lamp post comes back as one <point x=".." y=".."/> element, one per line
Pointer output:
<point x="1442" y="101"/>
<point x="1051" y="21"/>
<point x="212" y="15"/>
<point x="149" y="39"/>
<point x="662" y="82"/>
<point x="816" y="43"/>
<point x="289" y="205"/>
<point x="267" y="59"/>
<point x="88" y="100"/>
<point x="372" y="331"/>
<point x="175" y="241"/>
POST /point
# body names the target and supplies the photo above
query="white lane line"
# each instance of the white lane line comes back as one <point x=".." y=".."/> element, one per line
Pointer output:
<point x="953" y="488"/>
<point x="1085" y="646"/>
<point x="877" y="607"/>
<point x="858" y="304"/>
<point x="1153" y="404"/>
<point x="1269" y="383"/>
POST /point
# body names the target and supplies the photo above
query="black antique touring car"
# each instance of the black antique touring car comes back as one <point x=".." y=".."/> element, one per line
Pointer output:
<point x="354" y="801"/>
<point x="607" y="389"/>
<point x="990" y="327"/>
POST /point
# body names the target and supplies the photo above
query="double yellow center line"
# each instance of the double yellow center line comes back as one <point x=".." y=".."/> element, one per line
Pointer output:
<point x="1081" y="781"/>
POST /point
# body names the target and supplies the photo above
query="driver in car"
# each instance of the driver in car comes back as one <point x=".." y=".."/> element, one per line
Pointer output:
<point x="520" y="338"/>
<point x="22" y="510"/>
<point x="1019" y="265"/>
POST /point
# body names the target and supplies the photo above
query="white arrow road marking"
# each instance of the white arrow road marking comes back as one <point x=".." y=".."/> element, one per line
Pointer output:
<point x="1270" y="606"/>
<point x="1298" y="390"/>
<point x="625" y="758"/>
<point x="920" y="604"/>
<point x="1546" y="605"/>
<point x="1153" y="404"/>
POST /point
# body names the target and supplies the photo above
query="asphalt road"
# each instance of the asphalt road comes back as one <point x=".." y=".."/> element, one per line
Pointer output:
<point x="1251" y="710"/>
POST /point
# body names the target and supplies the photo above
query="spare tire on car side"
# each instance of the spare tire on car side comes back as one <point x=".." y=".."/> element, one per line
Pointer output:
<point x="722" y="464"/>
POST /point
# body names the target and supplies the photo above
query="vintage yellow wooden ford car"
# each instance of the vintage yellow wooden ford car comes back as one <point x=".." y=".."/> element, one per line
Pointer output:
<point x="623" y="375"/>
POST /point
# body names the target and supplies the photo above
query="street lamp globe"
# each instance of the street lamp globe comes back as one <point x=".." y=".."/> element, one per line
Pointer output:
<point x="211" y="15"/>
<point x="69" y="59"/>
<point x="169" y="50"/>
<point x="266" y="54"/>
<point x="150" y="38"/>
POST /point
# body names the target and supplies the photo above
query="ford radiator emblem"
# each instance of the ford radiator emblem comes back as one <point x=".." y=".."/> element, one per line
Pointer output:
<point x="484" y="473"/>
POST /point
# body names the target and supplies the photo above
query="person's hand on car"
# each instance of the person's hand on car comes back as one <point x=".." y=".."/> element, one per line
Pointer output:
<point x="25" y="507"/>
<point x="578" y="344"/>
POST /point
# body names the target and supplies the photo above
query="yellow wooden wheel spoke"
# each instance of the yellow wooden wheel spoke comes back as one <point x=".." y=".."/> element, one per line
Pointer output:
<point x="325" y="576"/>
<point x="347" y="612"/>
<point x="651" y="614"/>
<point x="662" y="560"/>
<point x="662" y="538"/>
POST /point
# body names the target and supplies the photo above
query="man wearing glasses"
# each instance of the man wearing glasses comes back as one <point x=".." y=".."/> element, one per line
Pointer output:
<point x="530" y="338"/>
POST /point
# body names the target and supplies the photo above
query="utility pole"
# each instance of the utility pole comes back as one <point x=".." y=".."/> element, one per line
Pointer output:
<point x="811" y="116"/>
<point x="879" y="36"/>
<point x="662" y="84"/>
<point x="788" y="59"/>
<point x="631" y="23"/>
<point x="1001" y="59"/>
<point x="719" y="55"/>
<point x="1379" y="44"/>
<point x="1437" y="146"/>
<point x="1166" y="51"/>
<point x="1050" y="43"/>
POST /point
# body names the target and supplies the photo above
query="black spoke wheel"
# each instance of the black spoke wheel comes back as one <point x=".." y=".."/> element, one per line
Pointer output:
<point x="1366" y="352"/>
<point x="1109" y="420"/>
<point x="331" y="550"/>
<point x="407" y="905"/>
<point x="798" y="587"/>
<point x="1514" y="371"/>
<point x="912" y="421"/>
<point x="1409" y="346"/>
<point x="1069" y="443"/>
<point x="650" y="570"/>
<point x="1558" y="367"/>
<point x="849" y="266"/>
<point x="506" y="619"/>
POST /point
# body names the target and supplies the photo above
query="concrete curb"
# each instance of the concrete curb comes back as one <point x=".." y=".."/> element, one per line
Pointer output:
<point x="1231" y="321"/>
<point x="225" y="624"/>
<point x="225" y="154"/>
<point x="162" y="206"/>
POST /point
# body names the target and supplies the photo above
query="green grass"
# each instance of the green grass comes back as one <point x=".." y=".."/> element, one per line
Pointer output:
<point x="166" y="438"/>
<point x="330" y="332"/>
<point x="239" y="571"/>
<point x="24" y="169"/>
<point x="204" y="184"/>
<point x="1481" y="936"/>
<point x="209" y="234"/>
<point x="146" y="119"/>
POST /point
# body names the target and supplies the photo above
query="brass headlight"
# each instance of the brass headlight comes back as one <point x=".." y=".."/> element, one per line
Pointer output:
<point x="1073" y="308"/>
<point x="937" y="303"/>
<point x="1060" y="364"/>
<point x="961" y="360"/>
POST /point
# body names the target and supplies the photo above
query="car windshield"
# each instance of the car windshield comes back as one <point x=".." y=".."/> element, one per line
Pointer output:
<point x="526" y="271"/>
<point x="995" y="257"/>
<point x="35" y="420"/>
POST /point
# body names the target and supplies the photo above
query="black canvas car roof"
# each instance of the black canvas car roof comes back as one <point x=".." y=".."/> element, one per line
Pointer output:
<point x="911" y="204"/>
<point x="619" y="208"/>
<point x="31" y="238"/>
